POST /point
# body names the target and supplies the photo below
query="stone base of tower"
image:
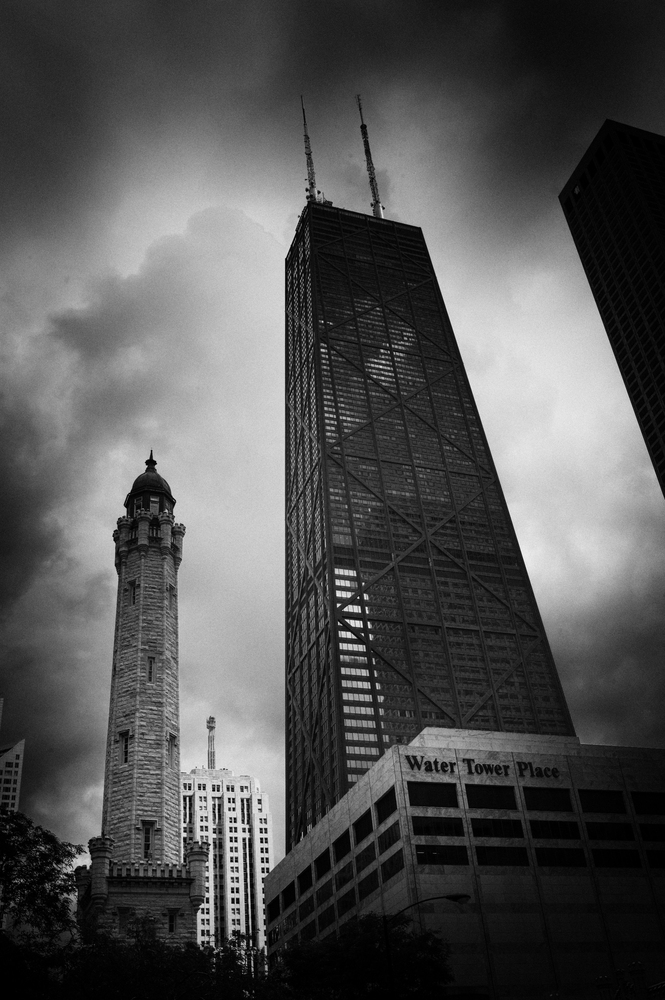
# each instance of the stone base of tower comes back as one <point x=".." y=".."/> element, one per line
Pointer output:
<point x="124" y="899"/>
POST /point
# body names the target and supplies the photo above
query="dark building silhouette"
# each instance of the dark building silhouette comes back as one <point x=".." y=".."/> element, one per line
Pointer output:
<point x="408" y="602"/>
<point x="615" y="206"/>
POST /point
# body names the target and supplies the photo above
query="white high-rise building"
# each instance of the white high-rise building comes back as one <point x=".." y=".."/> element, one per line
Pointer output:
<point x="232" y="813"/>
<point x="11" y="769"/>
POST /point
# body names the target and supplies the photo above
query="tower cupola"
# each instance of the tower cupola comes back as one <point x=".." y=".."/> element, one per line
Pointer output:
<point x="149" y="492"/>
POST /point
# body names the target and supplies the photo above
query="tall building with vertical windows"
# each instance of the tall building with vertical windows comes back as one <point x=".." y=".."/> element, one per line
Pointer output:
<point x="614" y="204"/>
<point x="232" y="813"/>
<point x="137" y="872"/>
<point x="408" y="602"/>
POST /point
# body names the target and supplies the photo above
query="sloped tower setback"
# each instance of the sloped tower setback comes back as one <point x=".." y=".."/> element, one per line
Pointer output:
<point x="142" y="779"/>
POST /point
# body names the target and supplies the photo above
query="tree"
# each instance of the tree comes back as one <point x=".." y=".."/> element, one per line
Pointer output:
<point x="371" y="957"/>
<point x="36" y="883"/>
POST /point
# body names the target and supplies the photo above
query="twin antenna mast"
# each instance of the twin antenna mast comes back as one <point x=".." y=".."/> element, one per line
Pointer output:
<point x="312" y="192"/>
<point x="377" y="207"/>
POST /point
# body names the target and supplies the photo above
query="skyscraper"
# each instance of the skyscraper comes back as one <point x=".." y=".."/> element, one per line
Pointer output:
<point x="232" y="813"/>
<point x="614" y="204"/>
<point x="408" y="602"/>
<point x="11" y="770"/>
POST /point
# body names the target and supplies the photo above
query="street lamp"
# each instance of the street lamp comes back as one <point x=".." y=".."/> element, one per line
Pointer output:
<point x="453" y="897"/>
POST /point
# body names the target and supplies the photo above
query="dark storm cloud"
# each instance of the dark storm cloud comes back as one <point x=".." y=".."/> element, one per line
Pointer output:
<point x="87" y="88"/>
<point x="154" y="359"/>
<point x="477" y="112"/>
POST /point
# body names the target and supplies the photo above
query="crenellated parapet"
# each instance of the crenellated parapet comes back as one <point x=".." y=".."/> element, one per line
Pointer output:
<point x="113" y="894"/>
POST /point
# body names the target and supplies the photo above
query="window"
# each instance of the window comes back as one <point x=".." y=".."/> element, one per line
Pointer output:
<point x="308" y="932"/>
<point x="343" y="876"/>
<point x="368" y="884"/>
<point x="154" y="505"/>
<point x="490" y="796"/>
<point x="272" y="909"/>
<point x="389" y="837"/>
<point x="365" y="857"/>
<point x="386" y="805"/>
<point x="148" y="839"/>
<point x="305" y="880"/>
<point x="561" y="857"/>
<point x="171" y="750"/>
<point x="616" y="857"/>
<point x="649" y="803"/>
<point x="555" y="829"/>
<point x="652" y="831"/>
<point x="173" y="921"/>
<point x="595" y="800"/>
<point x="306" y="908"/>
<point x="324" y="892"/>
<point x="441" y="854"/>
<point x="437" y="826"/>
<point x="430" y="793"/>
<point x="346" y="902"/>
<point x="288" y="895"/>
<point x="124" y="747"/>
<point x="656" y="859"/>
<point x="322" y="864"/>
<point x="497" y="828"/>
<point x="502" y="856"/>
<point x="547" y="799"/>
<point x="342" y="846"/>
<point x="132" y="591"/>
<point x="362" y="827"/>
<point x="327" y="917"/>
<point x="610" y="831"/>
<point x="151" y="669"/>
<point x="392" y="865"/>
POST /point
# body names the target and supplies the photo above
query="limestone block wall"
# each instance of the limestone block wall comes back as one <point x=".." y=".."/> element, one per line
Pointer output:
<point x="141" y="790"/>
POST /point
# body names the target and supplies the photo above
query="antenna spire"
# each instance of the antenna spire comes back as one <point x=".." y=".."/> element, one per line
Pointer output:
<point x="210" y="723"/>
<point x="377" y="207"/>
<point x="311" y="191"/>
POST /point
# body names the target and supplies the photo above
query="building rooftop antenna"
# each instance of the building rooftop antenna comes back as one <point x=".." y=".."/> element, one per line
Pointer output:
<point x="311" y="191"/>
<point x="377" y="207"/>
<point x="210" y="723"/>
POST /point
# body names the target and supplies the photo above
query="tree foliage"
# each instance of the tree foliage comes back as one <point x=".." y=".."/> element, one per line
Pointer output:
<point x="372" y="957"/>
<point x="36" y="882"/>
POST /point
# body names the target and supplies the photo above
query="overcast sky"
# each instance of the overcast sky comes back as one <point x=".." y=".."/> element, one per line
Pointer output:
<point x="151" y="176"/>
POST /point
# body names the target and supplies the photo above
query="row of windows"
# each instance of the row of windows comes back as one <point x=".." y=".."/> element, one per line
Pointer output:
<point x="452" y="826"/>
<point x="555" y="857"/>
<point x="592" y="800"/>
<point x="344" y="903"/>
<point x="341" y="847"/>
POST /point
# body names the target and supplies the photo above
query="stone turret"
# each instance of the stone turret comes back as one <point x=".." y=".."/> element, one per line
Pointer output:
<point x="137" y="872"/>
<point x="141" y="785"/>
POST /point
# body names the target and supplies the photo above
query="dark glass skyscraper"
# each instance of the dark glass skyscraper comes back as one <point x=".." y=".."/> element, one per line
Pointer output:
<point x="408" y="602"/>
<point x="615" y="206"/>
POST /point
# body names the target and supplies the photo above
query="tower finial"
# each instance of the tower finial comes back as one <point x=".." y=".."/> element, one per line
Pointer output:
<point x="377" y="207"/>
<point x="150" y="462"/>
<point x="312" y="192"/>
